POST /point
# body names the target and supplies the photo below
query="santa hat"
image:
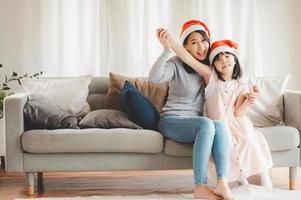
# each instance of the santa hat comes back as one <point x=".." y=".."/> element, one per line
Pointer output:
<point x="222" y="46"/>
<point x="191" y="26"/>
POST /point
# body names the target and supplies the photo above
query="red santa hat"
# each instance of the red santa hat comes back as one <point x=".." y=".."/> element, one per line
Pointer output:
<point x="222" y="46"/>
<point x="191" y="26"/>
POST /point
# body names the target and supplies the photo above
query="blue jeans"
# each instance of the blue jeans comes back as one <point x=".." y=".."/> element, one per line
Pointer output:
<point x="208" y="136"/>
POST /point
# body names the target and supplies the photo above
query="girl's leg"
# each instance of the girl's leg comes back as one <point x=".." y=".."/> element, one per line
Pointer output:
<point x="265" y="179"/>
<point x="221" y="157"/>
<point x="243" y="182"/>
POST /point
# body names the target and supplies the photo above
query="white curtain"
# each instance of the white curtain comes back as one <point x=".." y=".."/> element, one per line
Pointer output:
<point x="76" y="37"/>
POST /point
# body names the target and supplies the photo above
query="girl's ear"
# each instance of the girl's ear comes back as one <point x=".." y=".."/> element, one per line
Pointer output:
<point x="185" y="46"/>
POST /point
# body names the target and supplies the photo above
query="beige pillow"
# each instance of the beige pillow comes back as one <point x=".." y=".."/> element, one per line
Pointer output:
<point x="155" y="92"/>
<point x="268" y="107"/>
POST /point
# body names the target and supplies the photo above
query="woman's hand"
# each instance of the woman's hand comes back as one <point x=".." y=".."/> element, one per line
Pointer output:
<point x="252" y="95"/>
<point x="163" y="37"/>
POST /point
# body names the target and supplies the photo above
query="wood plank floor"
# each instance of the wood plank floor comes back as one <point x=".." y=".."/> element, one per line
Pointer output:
<point x="116" y="183"/>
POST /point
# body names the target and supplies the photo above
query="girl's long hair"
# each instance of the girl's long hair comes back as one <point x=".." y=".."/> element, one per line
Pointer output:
<point x="237" y="71"/>
<point x="206" y="61"/>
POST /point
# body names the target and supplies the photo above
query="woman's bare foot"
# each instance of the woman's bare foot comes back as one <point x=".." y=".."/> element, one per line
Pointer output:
<point x="222" y="189"/>
<point x="203" y="192"/>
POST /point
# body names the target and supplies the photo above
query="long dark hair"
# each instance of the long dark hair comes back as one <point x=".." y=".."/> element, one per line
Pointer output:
<point x="237" y="71"/>
<point x="206" y="61"/>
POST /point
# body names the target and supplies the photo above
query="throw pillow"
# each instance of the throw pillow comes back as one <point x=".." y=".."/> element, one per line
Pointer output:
<point x="155" y="92"/>
<point x="268" y="107"/>
<point x="41" y="115"/>
<point x="107" y="118"/>
<point x="141" y="110"/>
<point x="69" y="94"/>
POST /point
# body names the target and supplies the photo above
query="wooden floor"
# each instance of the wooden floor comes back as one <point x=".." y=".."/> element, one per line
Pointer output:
<point x="116" y="183"/>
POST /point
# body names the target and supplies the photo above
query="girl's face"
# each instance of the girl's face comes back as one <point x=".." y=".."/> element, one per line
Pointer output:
<point x="224" y="63"/>
<point x="197" y="46"/>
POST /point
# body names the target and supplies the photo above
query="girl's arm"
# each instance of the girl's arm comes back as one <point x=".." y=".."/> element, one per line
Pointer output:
<point x="202" y="69"/>
<point x="244" y="101"/>
<point x="241" y="106"/>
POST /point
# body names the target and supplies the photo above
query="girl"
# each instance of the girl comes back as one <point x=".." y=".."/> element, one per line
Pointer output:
<point x="227" y="99"/>
<point x="181" y="119"/>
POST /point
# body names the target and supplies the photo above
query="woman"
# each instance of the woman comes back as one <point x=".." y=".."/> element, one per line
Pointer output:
<point x="181" y="118"/>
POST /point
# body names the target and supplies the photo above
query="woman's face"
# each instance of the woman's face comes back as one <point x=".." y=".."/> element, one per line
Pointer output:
<point x="197" y="46"/>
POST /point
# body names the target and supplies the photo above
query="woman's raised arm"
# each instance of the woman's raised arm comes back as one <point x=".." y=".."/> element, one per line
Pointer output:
<point x="202" y="69"/>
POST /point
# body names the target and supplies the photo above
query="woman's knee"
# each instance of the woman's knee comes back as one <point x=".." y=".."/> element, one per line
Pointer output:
<point x="207" y="125"/>
<point x="220" y="126"/>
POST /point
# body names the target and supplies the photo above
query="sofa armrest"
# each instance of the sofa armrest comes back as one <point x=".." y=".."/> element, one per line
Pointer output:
<point x="292" y="109"/>
<point x="14" y="128"/>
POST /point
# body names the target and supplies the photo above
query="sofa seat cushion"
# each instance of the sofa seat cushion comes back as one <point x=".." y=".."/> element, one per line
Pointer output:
<point x="119" y="140"/>
<point x="279" y="138"/>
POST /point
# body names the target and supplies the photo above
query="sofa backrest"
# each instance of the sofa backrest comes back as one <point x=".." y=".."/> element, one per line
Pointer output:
<point x="97" y="92"/>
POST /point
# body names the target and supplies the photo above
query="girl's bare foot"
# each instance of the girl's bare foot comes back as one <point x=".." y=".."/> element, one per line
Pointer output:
<point x="222" y="189"/>
<point x="203" y="192"/>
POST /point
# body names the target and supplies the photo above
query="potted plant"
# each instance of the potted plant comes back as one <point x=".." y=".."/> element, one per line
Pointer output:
<point x="5" y="89"/>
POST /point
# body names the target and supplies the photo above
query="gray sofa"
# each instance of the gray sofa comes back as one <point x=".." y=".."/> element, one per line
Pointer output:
<point x="38" y="151"/>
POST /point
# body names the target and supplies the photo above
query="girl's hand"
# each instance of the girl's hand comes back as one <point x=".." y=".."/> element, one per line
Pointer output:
<point x="252" y="95"/>
<point x="163" y="36"/>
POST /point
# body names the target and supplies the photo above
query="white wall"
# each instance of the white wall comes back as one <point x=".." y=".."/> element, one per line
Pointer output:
<point x="279" y="24"/>
<point x="11" y="55"/>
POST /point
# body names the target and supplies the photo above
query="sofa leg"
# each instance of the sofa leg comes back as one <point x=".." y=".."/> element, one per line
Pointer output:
<point x="2" y="162"/>
<point x="30" y="183"/>
<point x="292" y="178"/>
<point x="40" y="183"/>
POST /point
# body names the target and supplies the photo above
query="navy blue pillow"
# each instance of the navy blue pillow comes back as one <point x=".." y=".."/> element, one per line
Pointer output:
<point x="141" y="110"/>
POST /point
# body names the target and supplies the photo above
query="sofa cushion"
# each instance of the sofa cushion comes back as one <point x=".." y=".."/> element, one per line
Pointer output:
<point x="97" y="92"/>
<point x="155" y="92"/>
<point x="268" y="107"/>
<point x="41" y="115"/>
<point x="92" y="140"/>
<point x="141" y="110"/>
<point x="107" y="118"/>
<point x="279" y="138"/>
<point x="69" y="93"/>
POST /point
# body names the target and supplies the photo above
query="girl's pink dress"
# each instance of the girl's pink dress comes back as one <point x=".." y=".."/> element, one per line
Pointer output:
<point x="249" y="151"/>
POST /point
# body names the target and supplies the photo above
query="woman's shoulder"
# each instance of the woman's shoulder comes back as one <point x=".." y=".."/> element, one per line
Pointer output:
<point x="176" y="60"/>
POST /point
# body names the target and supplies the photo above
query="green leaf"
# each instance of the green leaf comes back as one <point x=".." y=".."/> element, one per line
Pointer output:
<point x="6" y="88"/>
<point x="1" y="65"/>
<point x="15" y="74"/>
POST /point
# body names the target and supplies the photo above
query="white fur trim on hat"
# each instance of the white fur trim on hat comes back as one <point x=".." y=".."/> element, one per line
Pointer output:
<point x="191" y="29"/>
<point x="218" y="50"/>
